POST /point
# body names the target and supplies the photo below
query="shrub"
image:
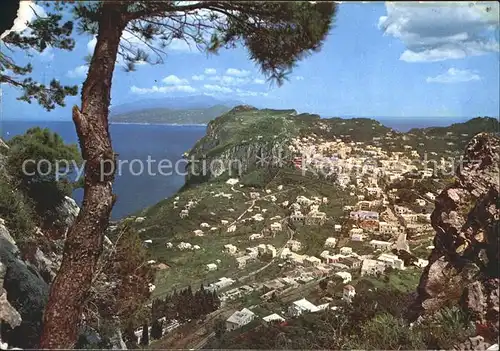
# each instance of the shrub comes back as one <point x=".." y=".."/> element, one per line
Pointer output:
<point x="16" y="210"/>
<point x="37" y="180"/>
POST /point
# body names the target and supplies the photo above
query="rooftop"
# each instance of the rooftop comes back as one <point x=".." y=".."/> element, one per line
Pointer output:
<point x="239" y="317"/>
<point x="274" y="317"/>
<point x="303" y="304"/>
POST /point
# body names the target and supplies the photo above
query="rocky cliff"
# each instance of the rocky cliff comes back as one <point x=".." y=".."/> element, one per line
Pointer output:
<point x="464" y="265"/>
<point x="25" y="277"/>
<point x="240" y="140"/>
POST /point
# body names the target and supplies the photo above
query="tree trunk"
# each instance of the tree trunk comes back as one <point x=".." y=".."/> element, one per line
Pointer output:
<point x="84" y="241"/>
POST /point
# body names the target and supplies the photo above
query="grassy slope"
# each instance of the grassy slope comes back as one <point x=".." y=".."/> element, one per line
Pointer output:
<point x="163" y="224"/>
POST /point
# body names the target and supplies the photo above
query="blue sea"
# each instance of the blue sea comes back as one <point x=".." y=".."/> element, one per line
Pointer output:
<point x="135" y="190"/>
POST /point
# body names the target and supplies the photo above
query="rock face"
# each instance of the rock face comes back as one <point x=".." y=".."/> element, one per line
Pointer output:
<point x="464" y="265"/>
<point x="8" y="313"/>
<point x="224" y="149"/>
<point x="68" y="210"/>
<point x="27" y="293"/>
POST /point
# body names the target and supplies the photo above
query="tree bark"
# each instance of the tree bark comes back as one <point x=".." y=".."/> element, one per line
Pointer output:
<point x="84" y="241"/>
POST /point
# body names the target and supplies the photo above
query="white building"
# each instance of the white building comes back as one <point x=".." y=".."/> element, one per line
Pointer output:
<point x="252" y="252"/>
<point x="211" y="267"/>
<point x="231" y="229"/>
<point x="346" y="276"/>
<point x="276" y="227"/>
<point x="430" y="196"/>
<point x="422" y="263"/>
<point x="301" y="306"/>
<point x="391" y="261"/>
<point x="420" y="202"/>
<point x="230" y="249"/>
<point x="330" y="242"/>
<point x="221" y="283"/>
<point x="380" y="245"/>
<point x="242" y="261"/>
<point x="239" y="319"/>
<point x="337" y="227"/>
<point x="271" y="250"/>
<point x="346" y="250"/>
<point x="312" y="261"/>
<point x="255" y="237"/>
<point x="372" y="267"/>
<point x="273" y="318"/>
<point x="198" y="232"/>
<point x="400" y="210"/>
<point x="294" y="245"/>
<point x="388" y="228"/>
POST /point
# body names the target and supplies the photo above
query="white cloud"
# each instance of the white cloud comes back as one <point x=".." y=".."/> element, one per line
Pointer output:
<point x="25" y="14"/>
<point x="78" y="72"/>
<point x="230" y="81"/>
<point x="199" y="77"/>
<point x="299" y="78"/>
<point x="244" y="93"/>
<point x="237" y="72"/>
<point x="217" y="89"/>
<point x="259" y="81"/>
<point x="163" y="90"/>
<point x="210" y="71"/>
<point x="174" y="80"/>
<point x="441" y="31"/>
<point x="454" y="75"/>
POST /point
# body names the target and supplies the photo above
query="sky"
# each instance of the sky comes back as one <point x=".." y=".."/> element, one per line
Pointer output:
<point x="379" y="60"/>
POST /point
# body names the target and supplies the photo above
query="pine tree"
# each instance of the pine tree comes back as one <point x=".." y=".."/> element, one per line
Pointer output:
<point x="145" y="335"/>
<point x="216" y="300"/>
<point x="276" y="34"/>
<point x="156" y="329"/>
<point x="129" y="336"/>
<point x="45" y="32"/>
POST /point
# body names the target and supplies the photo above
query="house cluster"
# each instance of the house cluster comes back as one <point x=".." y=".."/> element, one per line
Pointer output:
<point x="306" y="211"/>
<point x="245" y="316"/>
<point x="250" y="253"/>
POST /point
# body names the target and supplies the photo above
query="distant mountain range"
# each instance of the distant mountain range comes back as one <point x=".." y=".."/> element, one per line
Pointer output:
<point x="171" y="116"/>
<point x="197" y="109"/>
<point x="173" y="103"/>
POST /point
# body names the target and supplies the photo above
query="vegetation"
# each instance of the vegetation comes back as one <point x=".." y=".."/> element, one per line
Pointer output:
<point x="42" y="166"/>
<point x="374" y="321"/>
<point x="185" y="305"/>
<point x="16" y="210"/>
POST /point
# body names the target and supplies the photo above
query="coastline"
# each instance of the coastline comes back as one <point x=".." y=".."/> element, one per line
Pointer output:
<point x="163" y="124"/>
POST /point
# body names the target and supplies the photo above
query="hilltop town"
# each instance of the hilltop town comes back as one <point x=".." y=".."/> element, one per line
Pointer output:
<point x="340" y="211"/>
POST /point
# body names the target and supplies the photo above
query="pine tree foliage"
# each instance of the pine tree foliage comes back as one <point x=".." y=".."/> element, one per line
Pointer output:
<point x="47" y="30"/>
